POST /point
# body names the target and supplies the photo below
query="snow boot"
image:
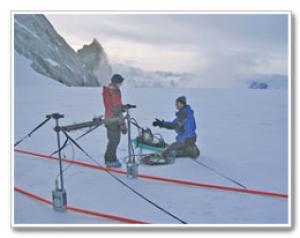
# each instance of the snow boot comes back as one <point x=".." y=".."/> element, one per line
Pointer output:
<point x="116" y="164"/>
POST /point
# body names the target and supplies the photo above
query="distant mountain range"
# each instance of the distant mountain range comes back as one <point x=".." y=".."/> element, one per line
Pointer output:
<point x="37" y="40"/>
<point x="267" y="82"/>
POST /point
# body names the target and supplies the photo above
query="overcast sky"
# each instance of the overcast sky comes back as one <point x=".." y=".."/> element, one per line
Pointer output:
<point x="213" y="46"/>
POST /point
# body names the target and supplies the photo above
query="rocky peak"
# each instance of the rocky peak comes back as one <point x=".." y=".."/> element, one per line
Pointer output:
<point x="36" y="39"/>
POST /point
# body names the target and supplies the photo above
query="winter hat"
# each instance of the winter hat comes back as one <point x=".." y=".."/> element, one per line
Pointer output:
<point x="181" y="99"/>
<point x="117" y="78"/>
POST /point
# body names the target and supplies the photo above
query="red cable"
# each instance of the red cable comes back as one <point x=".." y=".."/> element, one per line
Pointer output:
<point x="175" y="181"/>
<point x="79" y="210"/>
<point x="40" y="199"/>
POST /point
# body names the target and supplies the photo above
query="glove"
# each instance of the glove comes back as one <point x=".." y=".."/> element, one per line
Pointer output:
<point x="158" y="122"/>
<point x="123" y="128"/>
<point x="124" y="131"/>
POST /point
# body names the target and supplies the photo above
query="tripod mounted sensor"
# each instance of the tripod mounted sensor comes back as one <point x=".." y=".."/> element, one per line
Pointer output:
<point x="59" y="194"/>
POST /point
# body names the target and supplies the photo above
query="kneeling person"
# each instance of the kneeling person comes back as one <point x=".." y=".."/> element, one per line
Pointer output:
<point x="185" y="126"/>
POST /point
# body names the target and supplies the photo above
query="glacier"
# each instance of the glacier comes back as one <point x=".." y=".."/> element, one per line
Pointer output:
<point x="242" y="133"/>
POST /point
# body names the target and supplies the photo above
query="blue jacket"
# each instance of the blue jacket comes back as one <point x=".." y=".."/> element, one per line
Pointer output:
<point x="184" y="124"/>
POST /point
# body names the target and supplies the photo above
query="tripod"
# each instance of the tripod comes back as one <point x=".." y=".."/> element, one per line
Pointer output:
<point x="59" y="195"/>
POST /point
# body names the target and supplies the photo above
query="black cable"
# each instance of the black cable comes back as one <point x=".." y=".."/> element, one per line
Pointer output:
<point x="72" y="160"/>
<point x="122" y="182"/>
<point x="220" y="174"/>
<point x="160" y="138"/>
<point x="134" y="122"/>
<point x="32" y="131"/>
<point x="61" y="148"/>
<point x="77" y="138"/>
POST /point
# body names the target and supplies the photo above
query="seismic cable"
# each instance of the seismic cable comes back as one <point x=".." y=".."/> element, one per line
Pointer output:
<point x="220" y="174"/>
<point x="122" y="182"/>
<point x="77" y="138"/>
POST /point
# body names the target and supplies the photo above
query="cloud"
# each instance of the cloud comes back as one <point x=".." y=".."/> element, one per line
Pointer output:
<point x="217" y="48"/>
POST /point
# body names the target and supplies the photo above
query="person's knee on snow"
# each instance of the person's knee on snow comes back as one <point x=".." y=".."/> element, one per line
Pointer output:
<point x="185" y="127"/>
<point x="192" y="151"/>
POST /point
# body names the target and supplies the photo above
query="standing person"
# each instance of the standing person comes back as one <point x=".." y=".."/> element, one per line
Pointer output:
<point x="185" y="127"/>
<point x="115" y="121"/>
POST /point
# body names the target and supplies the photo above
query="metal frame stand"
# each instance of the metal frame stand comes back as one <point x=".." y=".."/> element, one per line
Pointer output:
<point x="132" y="165"/>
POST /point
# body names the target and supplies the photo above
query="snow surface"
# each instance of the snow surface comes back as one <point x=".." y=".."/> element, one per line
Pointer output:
<point x="49" y="215"/>
<point x="242" y="133"/>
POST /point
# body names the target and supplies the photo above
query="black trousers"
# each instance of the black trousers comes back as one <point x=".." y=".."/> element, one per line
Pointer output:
<point x="188" y="149"/>
<point x="113" y="133"/>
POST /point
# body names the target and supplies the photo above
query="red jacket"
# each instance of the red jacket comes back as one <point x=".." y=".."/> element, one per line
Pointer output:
<point x="112" y="101"/>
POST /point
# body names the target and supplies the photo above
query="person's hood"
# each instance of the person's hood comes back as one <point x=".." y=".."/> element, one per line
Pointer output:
<point x="187" y="108"/>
